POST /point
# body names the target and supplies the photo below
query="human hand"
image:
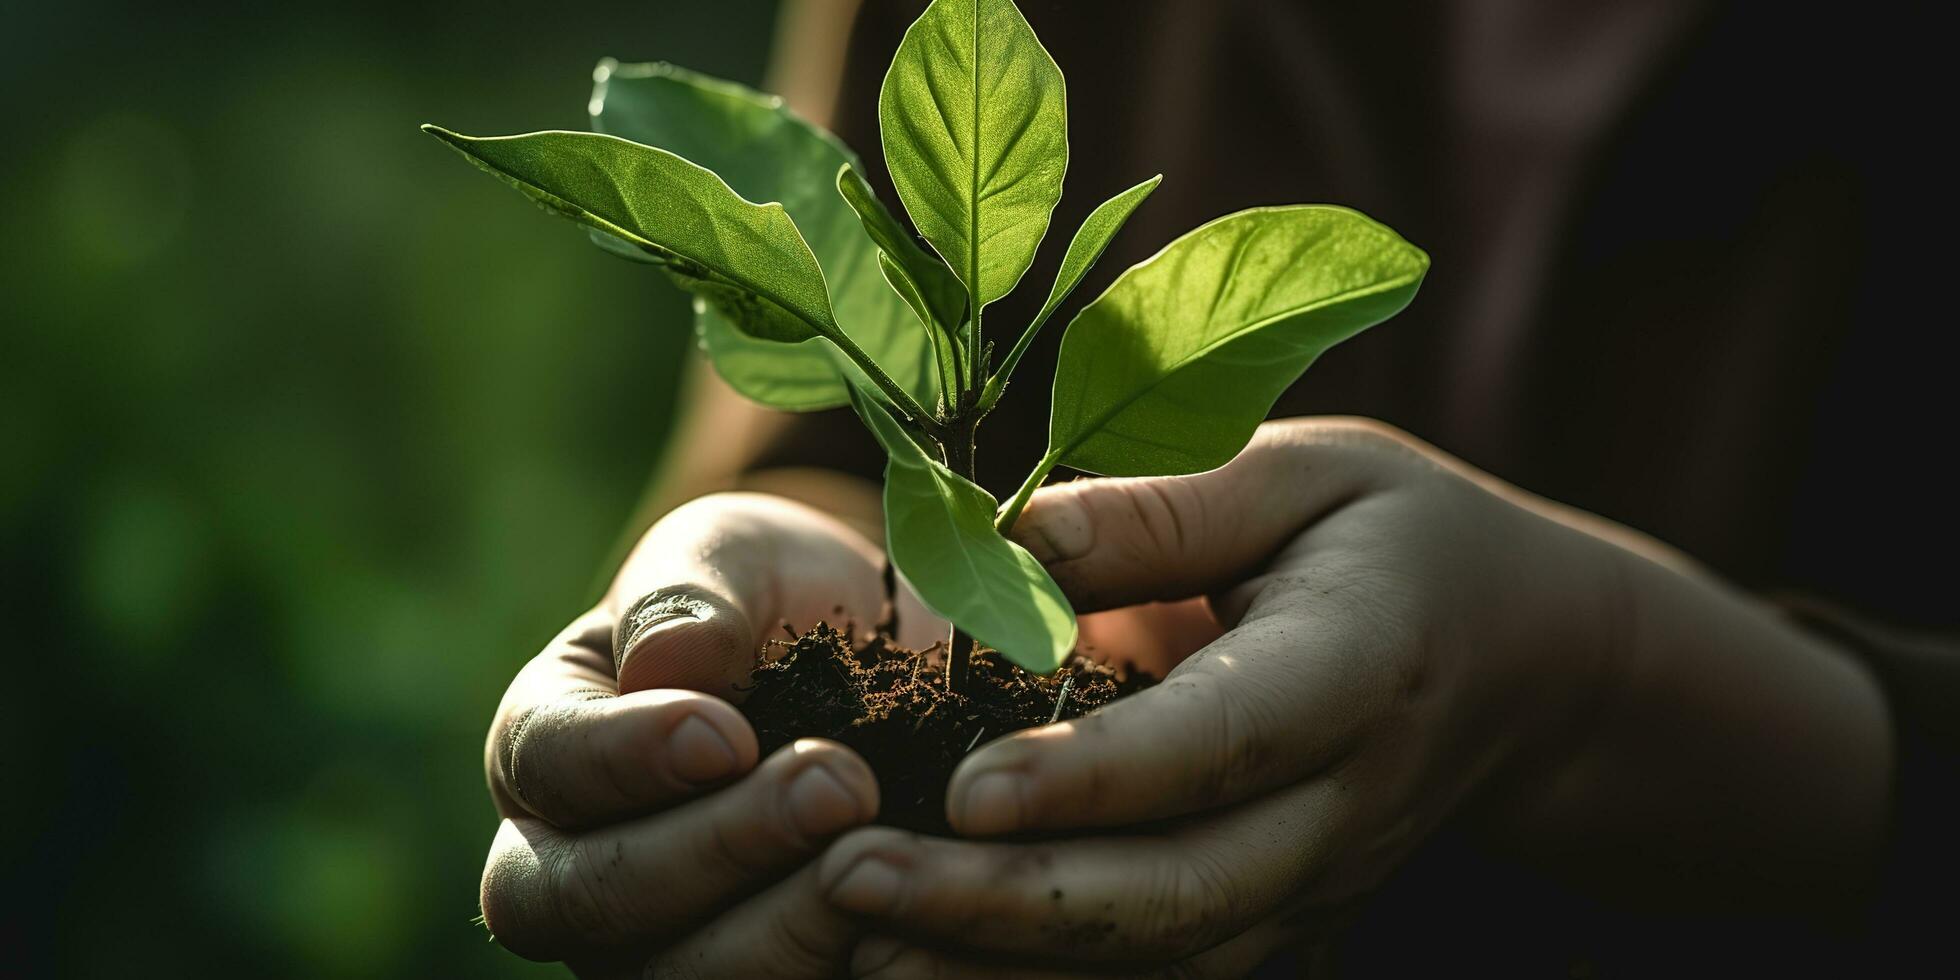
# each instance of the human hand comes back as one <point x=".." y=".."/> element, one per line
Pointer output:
<point x="1406" y="634"/>
<point x="640" y="837"/>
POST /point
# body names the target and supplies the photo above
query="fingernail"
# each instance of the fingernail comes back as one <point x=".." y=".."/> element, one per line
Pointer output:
<point x="874" y="954"/>
<point x="700" y="753"/>
<point x="655" y="612"/>
<point x="992" y="804"/>
<point x="820" y="804"/>
<point x="869" y="888"/>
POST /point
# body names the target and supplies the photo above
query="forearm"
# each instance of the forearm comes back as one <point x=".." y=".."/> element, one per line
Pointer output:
<point x="716" y="446"/>
<point x="1729" y="756"/>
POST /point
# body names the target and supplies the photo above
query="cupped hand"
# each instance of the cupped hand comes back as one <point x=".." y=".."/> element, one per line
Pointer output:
<point x="640" y="834"/>
<point x="1400" y="634"/>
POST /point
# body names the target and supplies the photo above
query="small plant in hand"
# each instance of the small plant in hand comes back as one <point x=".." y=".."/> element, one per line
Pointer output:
<point x="824" y="299"/>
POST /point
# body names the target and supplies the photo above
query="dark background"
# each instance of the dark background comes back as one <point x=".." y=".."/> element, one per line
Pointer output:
<point x="311" y="435"/>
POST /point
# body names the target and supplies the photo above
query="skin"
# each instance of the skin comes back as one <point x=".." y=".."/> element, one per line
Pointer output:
<point x="640" y="833"/>
<point x="1409" y="641"/>
<point x="1360" y="639"/>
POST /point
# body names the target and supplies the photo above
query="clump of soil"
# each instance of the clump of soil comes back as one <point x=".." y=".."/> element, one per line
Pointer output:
<point x="891" y="706"/>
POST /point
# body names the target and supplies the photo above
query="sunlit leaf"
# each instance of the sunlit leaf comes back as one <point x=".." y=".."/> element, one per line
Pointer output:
<point x="1172" y="368"/>
<point x="939" y="528"/>
<point x="1091" y="239"/>
<point x="1083" y="250"/>
<point x="935" y="284"/>
<point x="768" y="153"/>
<point x="747" y="260"/>
<point x="975" y="127"/>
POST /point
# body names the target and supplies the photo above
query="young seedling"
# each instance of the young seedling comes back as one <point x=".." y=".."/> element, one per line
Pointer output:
<point x="823" y="298"/>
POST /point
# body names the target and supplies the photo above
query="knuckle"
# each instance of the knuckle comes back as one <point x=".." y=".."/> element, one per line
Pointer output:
<point x="525" y="759"/>
<point x="792" y="948"/>
<point x="1229" y="730"/>
<point x="1168" y="917"/>
<point x="963" y="891"/>
<point x="584" y="642"/>
<point x="728" y="851"/>
<point x="1202" y="900"/>
<point x="1213" y="728"/>
<point x="581" y="653"/>
<point x="501" y="758"/>
<point x="844" y="853"/>
<point x="752" y="829"/>
<point x="1163" y="512"/>
<point x="590" y="905"/>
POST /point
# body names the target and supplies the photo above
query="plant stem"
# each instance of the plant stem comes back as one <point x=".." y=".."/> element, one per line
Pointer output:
<point x="959" y="459"/>
<point x="956" y="403"/>
<point x="958" y="443"/>
<point x="977" y="368"/>
<point x="998" y="383"/>
<point x="949" y="387"/>
<point x="899" y="396"/>
<point x="959" y="659"/>
<point x="1012" y="512"/>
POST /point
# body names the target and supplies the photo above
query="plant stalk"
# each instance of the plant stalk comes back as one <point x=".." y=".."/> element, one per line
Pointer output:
<point x="959" y="459"/>
<point x="1012" y="512"/>
<point x="899" y="396"/>
<point x="977" y="364"/>
<point x="998" y="383"/>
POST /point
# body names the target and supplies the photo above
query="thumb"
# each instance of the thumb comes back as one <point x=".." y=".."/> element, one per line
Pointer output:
<point x="1111" y="543"/>
<point x="684" y="636"/>
<point x="713" y="579"/>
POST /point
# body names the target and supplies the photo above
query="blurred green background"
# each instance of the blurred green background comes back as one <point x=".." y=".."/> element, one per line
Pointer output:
<point x="311" y="435"/>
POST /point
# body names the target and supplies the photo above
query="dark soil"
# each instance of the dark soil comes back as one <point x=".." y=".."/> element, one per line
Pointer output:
<point x="891" y="706"/>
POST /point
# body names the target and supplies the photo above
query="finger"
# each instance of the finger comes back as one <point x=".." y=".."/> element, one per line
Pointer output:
<point x="889" y="958"/>
<point x="1144" y="898"/>
<point x="1281" y="696"/>
<point x="579" y="763"/>
<point x="1111" y="543"/>
<point x="565" y="748"/>
<point x="787" y="932"/>
<point x="716" y="577"/>
<point x="552" y="895"/>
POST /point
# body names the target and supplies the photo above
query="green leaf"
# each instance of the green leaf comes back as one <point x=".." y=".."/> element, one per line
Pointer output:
<point x="975" y="126"/>
<point x="944" y="297"/>
<point x="767" y="153"/>
<point x="1090" y="240"/>
<point x="1084" y="249"/>
<point x="745" y="259"/>
<point x="944" y="343"/>
<point x="1172" y="368"/>
<point x="805" y="377"/>
<point x="939" y="528"/>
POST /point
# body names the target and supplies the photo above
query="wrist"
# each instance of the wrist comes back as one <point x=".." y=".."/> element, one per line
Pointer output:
<point x="1573" y="618"/>
<point x="1722" y="757"/>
